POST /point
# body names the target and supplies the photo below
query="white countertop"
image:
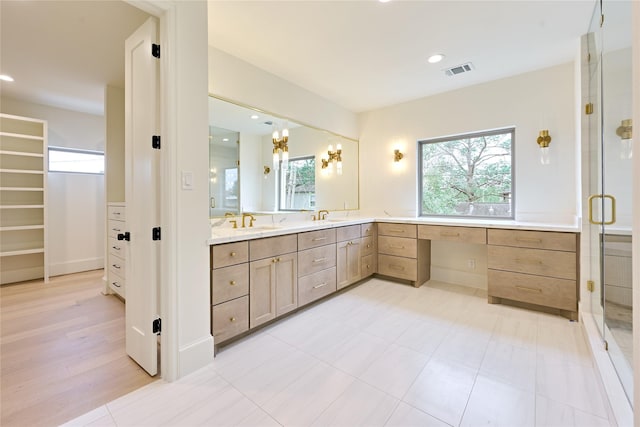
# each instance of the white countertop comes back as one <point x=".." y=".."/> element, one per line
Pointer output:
<point x="226" y="234"/>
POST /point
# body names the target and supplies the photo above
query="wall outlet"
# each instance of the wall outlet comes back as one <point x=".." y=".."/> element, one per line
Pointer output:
<point x="471" y="264"/>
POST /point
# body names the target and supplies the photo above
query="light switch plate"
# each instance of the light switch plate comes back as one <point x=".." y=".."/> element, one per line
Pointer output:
<point x="187" y="180"/>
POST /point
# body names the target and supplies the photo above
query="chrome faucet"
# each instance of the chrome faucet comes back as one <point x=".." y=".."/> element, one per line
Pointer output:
<point x="322" y="214"/>
<point x="251" y="219"/>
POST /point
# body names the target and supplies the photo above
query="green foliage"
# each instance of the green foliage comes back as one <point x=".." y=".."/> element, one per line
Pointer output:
<point x="466" y="171"/>
<point x="300" y="184"/>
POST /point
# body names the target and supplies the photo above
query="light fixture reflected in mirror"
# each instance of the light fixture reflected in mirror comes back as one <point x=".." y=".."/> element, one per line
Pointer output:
<point x="331" y="158"/>
<point x="267" y="171"/>
<point x="397" y="155"/>
<point x="625" y="132"/>
<point x="280" y="140"/>
<point x="544" y="139"/>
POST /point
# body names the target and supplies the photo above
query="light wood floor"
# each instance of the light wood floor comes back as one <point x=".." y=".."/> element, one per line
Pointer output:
<point x="62" y="350"/>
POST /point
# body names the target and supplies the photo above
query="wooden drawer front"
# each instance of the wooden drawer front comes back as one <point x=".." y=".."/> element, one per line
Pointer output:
<point x="230" y="318"/>
<point x="117" y="267"/>
<point x="115" y="228"/>
<point x="229" y="283"/>
<point x="117" y="248"/>
<point x="397" y="246"/>
<point x="369" y="265"/>
<point x="316" y="259"/>
<point x="368" y="246"/>
<point x="533" y="261"/>
<point x="533" y="239"/>
<point x="398" y="230"/>
<point x="547" y="291"/>
<point x="316" y="285"/>
<point x="116" y="212"/>
<point x="313" y="239"/>
<point x="453" y="234"/>
<point x="272" y="246"/>
<point x="229" y="254"/>
<point x="367" y="229"/>
<point x="350" y="232"/>
<point x="393" y="266"/>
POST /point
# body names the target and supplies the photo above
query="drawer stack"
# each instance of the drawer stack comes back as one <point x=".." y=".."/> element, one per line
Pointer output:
<point x="229" y="290"/>
<point x="399" y="251"/>
<point x="369" y="249"/>
<point x="534" y="267"/>
<point x="316" y="265"/>
<point x="117" y="256"/>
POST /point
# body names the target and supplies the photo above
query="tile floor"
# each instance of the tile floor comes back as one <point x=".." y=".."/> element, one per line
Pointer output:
<point x="385" y="354"/>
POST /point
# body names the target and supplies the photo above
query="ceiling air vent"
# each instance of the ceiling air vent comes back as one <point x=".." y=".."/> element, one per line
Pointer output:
<point x="459" y="69"/>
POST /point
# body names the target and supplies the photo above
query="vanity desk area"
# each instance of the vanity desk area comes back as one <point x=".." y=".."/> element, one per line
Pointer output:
<point x="261" y="273"/>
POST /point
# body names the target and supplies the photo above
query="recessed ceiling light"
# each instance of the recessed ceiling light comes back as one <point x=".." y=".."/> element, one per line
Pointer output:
<point x="225" y="139"/>
<point x="384" y="1"/>
<point x="254" y="117"/>
<point x="6" y="78"/>
<point x="435" y="58"/>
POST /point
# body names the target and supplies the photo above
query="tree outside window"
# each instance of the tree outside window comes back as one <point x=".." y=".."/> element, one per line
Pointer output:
<point x="298" y="184"/>
<point x="468" y="175"/>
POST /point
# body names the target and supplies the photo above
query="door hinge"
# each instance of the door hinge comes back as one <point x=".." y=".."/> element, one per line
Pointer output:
<point x="155" y="142"/>
<point x="606" y="345"/>
<point x="155" y="233"/>
<point x="588" y="109"/>
<point x="155" y="50"/>
<point x="590" y="285"/>
<point x="157" y="326"/>
<point x="124" y="236"/>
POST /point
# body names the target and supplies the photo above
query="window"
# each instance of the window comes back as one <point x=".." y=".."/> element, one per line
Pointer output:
<point x="468" y="175"/>
<point x="73" y="160"/>
<point x="298" y="184"/>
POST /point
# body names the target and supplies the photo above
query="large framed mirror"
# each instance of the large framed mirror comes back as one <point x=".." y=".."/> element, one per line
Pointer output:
<point x="245" y="178"/>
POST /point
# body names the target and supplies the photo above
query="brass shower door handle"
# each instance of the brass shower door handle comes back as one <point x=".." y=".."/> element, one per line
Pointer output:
<point x="613" y="209"/>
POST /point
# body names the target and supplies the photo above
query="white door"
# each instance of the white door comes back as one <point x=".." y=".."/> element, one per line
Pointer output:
<point x="142" y="195"/>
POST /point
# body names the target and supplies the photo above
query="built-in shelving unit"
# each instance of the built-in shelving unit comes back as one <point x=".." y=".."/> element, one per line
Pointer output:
<point x="23" y="196"/>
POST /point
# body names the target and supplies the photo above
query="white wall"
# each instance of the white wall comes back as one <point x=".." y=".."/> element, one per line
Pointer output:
<point x="533" y="101"/>
<point x="75" y="202"/>
<point x="234" y="79"/>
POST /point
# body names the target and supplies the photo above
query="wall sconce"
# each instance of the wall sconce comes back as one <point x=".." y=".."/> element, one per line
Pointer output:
<point x="267" y="170"/>
<point x="280" y="146"/>
<point x="397" y="155"/>
<point x="625" y="131"/>
<point x="333" y="157"/>
<point x="543" y="141"/>
<point x="213" y="175"/>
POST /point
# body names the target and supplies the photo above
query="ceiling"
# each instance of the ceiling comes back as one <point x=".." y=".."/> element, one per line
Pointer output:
<point x="360" y="54"/>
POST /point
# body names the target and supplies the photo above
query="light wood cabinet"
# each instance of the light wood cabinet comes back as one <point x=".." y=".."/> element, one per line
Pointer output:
<point x="534" y="267"/>
<point x="402" y="255"/>
<point x="368" y="250"/>
<point x="273" y="280"/>
<point x="118" y="249"/>
<point x="230" y="318"/>
<point x="453" y="234"/>
<point x="317" y="285"/>
<point x="23" y="215"/>
<point x="348" y="262"/>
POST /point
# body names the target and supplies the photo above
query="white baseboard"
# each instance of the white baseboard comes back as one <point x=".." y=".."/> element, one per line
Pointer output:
<point x="76" y="266"/>
<point x="195" y="356"/>
<point x="456" y="277"/>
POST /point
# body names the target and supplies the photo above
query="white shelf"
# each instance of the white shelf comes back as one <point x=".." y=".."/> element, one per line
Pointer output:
<point x="22" y="207"/>
<point x="21" y="189"/>
<point x="21" y="153"/>
<point x="22" y="227"/>
<point x="22" y="136"/>
<point x="22" y="252"/>
<point x="26" y="171"/>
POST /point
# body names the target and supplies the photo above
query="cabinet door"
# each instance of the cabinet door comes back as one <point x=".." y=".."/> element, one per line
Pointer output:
<point x="348" y="263"/>
<point x="262" y="291"/>
<point x="286" y="279"/>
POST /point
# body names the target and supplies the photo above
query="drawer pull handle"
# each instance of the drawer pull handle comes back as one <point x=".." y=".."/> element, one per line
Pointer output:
<point x="529" y="261"/>
<point x="448" y="234"/>
<point x="116" y="284"/>
<point x="320" y="285"/>
<point x="396" y="267"/>
<point x="396" y="230"/>
<point x="116" y="213"/>
<point x="232" y="319"/>
<point x="116" y="230"/>
<point x="396" y="247"/>
<point x="275" y="260"/>
<point x="524" y="288"/>
<point x="232" y="283"/>
<point x="528" y="240"/>
<point x="317" y="239"/>
<point x="319" y="260"/>
<point x="116" y="266"/>
<point x="232" y="254"/>
<point x="117" y="248"/>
